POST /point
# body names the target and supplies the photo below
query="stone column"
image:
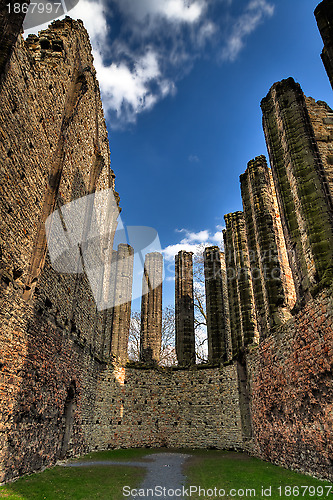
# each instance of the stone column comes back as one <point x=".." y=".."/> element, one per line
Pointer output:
<point x="324" y="17"/>
<point x="111" y="272"/>
<point x="151" y="309"/>
<point x="184" y="306"/>
<point x="241" y="302"/>
<point x="301" y="185"/>
<point x="215" y="307"/>
<point x="274" y="294"/>
<point x="121" y="316"/>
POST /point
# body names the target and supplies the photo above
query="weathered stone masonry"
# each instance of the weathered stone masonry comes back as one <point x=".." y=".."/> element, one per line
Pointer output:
<point x="184" y="308"/>
<point x="151" y="309"/>
<point x="274" y="296"/>
<point x="54" y="149"/>
<point x="121" y="313"/>
<point x="300" y="180"/>
<point x="216" y="309"/>
<point x="240" y="288"/>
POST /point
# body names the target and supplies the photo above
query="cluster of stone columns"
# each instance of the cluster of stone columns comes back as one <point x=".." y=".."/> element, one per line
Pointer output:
<point x="117" y="317"/>
<point x="276" y="252"/>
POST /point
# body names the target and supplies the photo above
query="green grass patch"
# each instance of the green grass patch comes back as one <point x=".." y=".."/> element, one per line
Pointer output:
<point x="81" y="483"/>
<point x="242" y="476"/>
<point x="239" y="475"/>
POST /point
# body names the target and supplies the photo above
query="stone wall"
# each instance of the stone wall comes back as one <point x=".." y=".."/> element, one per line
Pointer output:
<point x="290" y="377"/>
<point x="54" y="149"/>
<point x="176" y="408"/>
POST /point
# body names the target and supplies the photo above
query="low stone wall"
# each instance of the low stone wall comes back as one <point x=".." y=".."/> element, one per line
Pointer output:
<point x="196" y="408"/>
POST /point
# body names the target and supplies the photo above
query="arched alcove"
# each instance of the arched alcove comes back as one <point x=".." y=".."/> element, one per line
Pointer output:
<point x="67" y="420"/>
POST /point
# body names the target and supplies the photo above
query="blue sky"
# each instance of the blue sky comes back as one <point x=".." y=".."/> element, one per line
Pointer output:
<point x="181" y="87"/>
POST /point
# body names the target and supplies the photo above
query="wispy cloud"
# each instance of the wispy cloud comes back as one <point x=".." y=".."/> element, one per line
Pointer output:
<point x="246" y="24"/>
<point x="193" y="159"/>
<point x="143" y="47"/>
<point x="194" y="242"/>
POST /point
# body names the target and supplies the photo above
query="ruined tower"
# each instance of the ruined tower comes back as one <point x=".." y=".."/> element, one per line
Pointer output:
<point x="216" y="309"/>
<point x="302" y="186"/>
<point x="184" y="307"/>
<point x="324" y="17"/>
<point x="151" y="309"/>
<point x="274" y="292"/>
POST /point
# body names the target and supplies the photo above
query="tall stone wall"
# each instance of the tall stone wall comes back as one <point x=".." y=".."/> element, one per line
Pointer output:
<point x="54" y="149"/>
<point x="301" y="185"/>
<point x="324" y="17"/>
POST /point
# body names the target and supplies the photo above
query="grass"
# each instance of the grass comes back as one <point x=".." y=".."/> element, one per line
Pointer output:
<point x="84" y="483"/>
<point x="208" y="469"/>
<point x="239" y="472"/>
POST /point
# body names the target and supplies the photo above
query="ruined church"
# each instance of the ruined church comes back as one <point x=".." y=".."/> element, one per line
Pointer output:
<point x="66" y="388"/>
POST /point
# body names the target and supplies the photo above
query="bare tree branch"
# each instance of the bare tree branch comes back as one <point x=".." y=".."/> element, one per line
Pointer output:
<point x="168" y="353"/>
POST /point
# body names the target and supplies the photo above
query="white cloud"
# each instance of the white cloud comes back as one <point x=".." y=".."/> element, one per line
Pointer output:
<point x="217" y="237"/>
<point x="179" y="11"/>
<point x="193" y="242"/>
<point x="156" y="44"/>
<point x="244" y="26"/>
<point x="170" y="251"/>
<point x="93" y="15"/>
<point x="127" y="91"/>
<point x="193" y="159"/>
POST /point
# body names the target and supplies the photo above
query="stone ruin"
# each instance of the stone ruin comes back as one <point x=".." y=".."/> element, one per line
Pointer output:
<point x="65" y="387"/>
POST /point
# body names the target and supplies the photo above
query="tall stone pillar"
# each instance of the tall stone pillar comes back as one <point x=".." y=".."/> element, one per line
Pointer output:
<point x="184" y="306"/>
<point x="241" y="302"/>
<point x="301" y="185"/>
<point x="324" y="17"/>
<point x="121" y="316"/>
<point x="215" y="306"/>
<point x="111" y="271"/>
<point x="274" y="293"/>
<point x="151" y="309"/>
